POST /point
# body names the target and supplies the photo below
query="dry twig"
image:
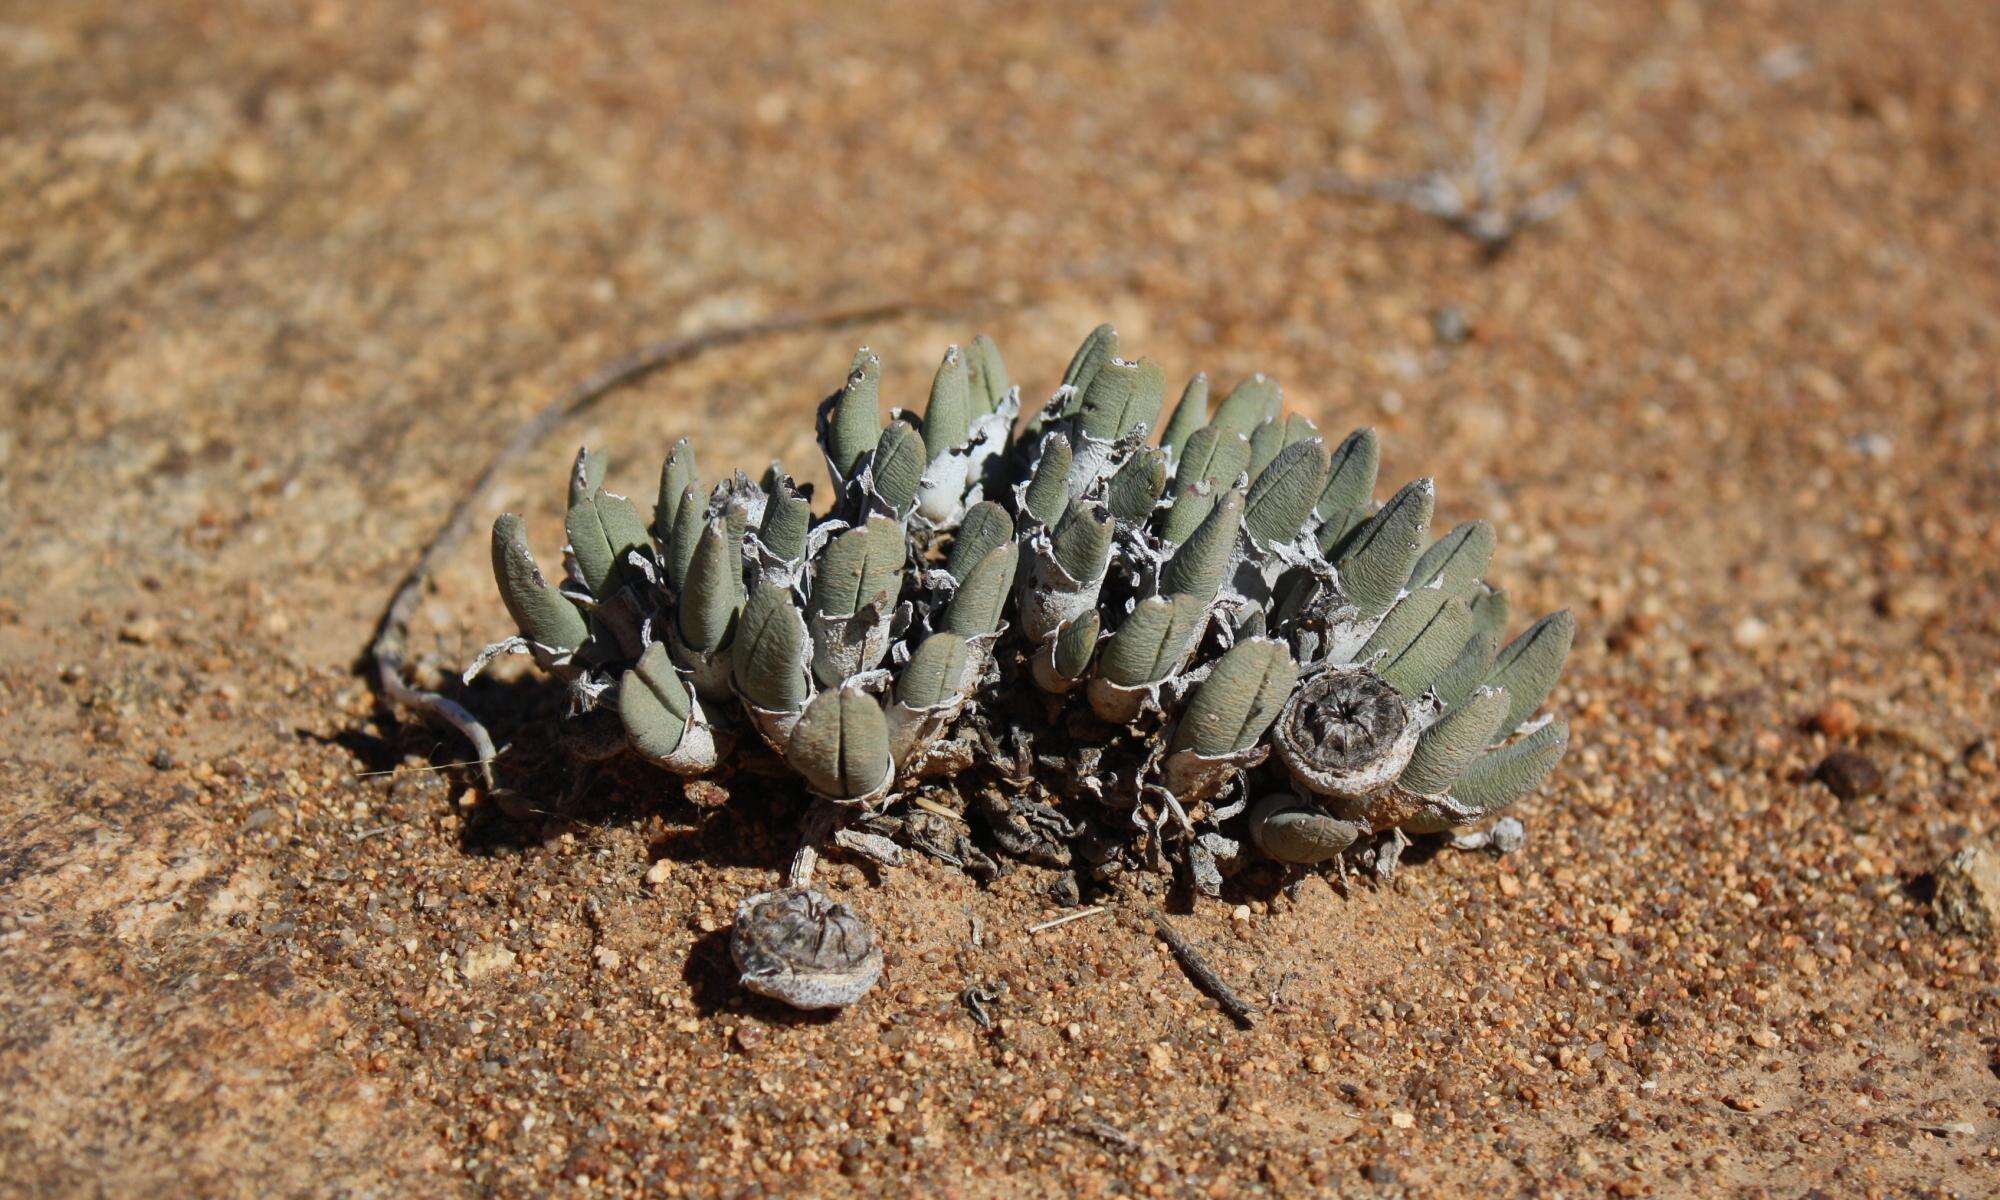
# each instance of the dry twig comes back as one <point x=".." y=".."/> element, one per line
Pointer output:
<point x="1203" y="975"/>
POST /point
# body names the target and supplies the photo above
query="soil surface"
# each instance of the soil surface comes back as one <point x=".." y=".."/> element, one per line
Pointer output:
<point x="276" y="279"/>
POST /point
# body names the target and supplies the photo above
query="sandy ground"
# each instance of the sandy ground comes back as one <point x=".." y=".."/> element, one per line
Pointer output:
<point x="275" y="279"/>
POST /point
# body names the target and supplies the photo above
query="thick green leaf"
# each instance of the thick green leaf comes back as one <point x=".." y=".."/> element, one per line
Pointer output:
<point x="1242" y="695"/>
<point x="653" y="704"/>
<point x="948" y="417"/>
<point x="1350" y="483"/>
<point x="1099" y="347"/>
<point x="1211" y="463"/>
<point x="1121" y="397"/>
<point x="1082" y="541"/>
<point x="586" y="474"/>
<point x="771" y="659"/>
<point x="1500" y="777"/>
<point x="856" y="423"/>
<point x="1412" y="665"/>
<point x="859" y="566"/>
<point x="841" y="744"/>
<point x="976" y="607"/>
<point x="713" y="595"/>
<point x="987" y="374"/>
<point x="1376" y="558"/>
<point x="677" y="475"/>
<point x="1448" y="747"/>
<point x="1076" y="643"/>
<point x="1468" y="669"/>
<point x="1272" y="436"/>
<point x="1136" y="487"/>
<point x="1254" y="401"/>
<point x="1197" y="568"/>
<point x="690" y="518"/>
<point x="603" y="529"/>
<point x="898" y="466"/>
<point x="932" y="675"/>
<point x="1048" y="491"/>
<point x="1529" y="666"/>
<point x="1491" y="611"/>
<point x="1153" y="641"/>
<point x="787" y="517"/>
<point x="984" y="526"/>
<point x="1212" y="456"/>
<point x="1458" y="560"/>
<point x="1282" y="496"/>
<point x="541" y="612"/>
<point x="1189" y="415"/>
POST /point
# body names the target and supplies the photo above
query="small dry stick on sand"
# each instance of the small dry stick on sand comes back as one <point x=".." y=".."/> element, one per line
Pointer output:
<point x="1066" y="918"/>
<point x="387" y="652"/>
<point x="1480" y="191"/>
<point x="1203" y="975"/>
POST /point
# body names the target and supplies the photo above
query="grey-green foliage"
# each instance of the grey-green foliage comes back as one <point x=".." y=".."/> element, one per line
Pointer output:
<point x="654" y="704"/>
<point x="1180" y="589"/>
<point x="771" y="652"/>
<point x="542" y="612"/>
<point x="1231" y="709"/>
<point x="841" y="745"/>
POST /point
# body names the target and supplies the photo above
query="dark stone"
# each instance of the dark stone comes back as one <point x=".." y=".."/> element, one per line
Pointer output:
<point x="1848" y="775"/>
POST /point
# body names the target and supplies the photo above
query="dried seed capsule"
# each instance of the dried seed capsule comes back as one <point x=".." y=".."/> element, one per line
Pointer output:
<point x="1345" y="734"/>
<point x="799" y="947"/>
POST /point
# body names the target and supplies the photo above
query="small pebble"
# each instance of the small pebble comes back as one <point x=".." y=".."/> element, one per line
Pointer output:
<point x="1968" y="893"/>
<point x="1836" y="719"/>
<point x="1848" y="775"/>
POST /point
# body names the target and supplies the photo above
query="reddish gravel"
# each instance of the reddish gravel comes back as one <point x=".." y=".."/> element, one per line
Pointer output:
<point x="275" y="279"/>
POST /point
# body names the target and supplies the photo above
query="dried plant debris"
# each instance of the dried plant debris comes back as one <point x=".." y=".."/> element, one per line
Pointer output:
<point x="797" y="946"/>
<point x="1091" y="648"/>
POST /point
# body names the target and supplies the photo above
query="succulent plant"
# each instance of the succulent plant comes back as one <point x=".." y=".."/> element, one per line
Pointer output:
<point x="1112" y="650"/>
